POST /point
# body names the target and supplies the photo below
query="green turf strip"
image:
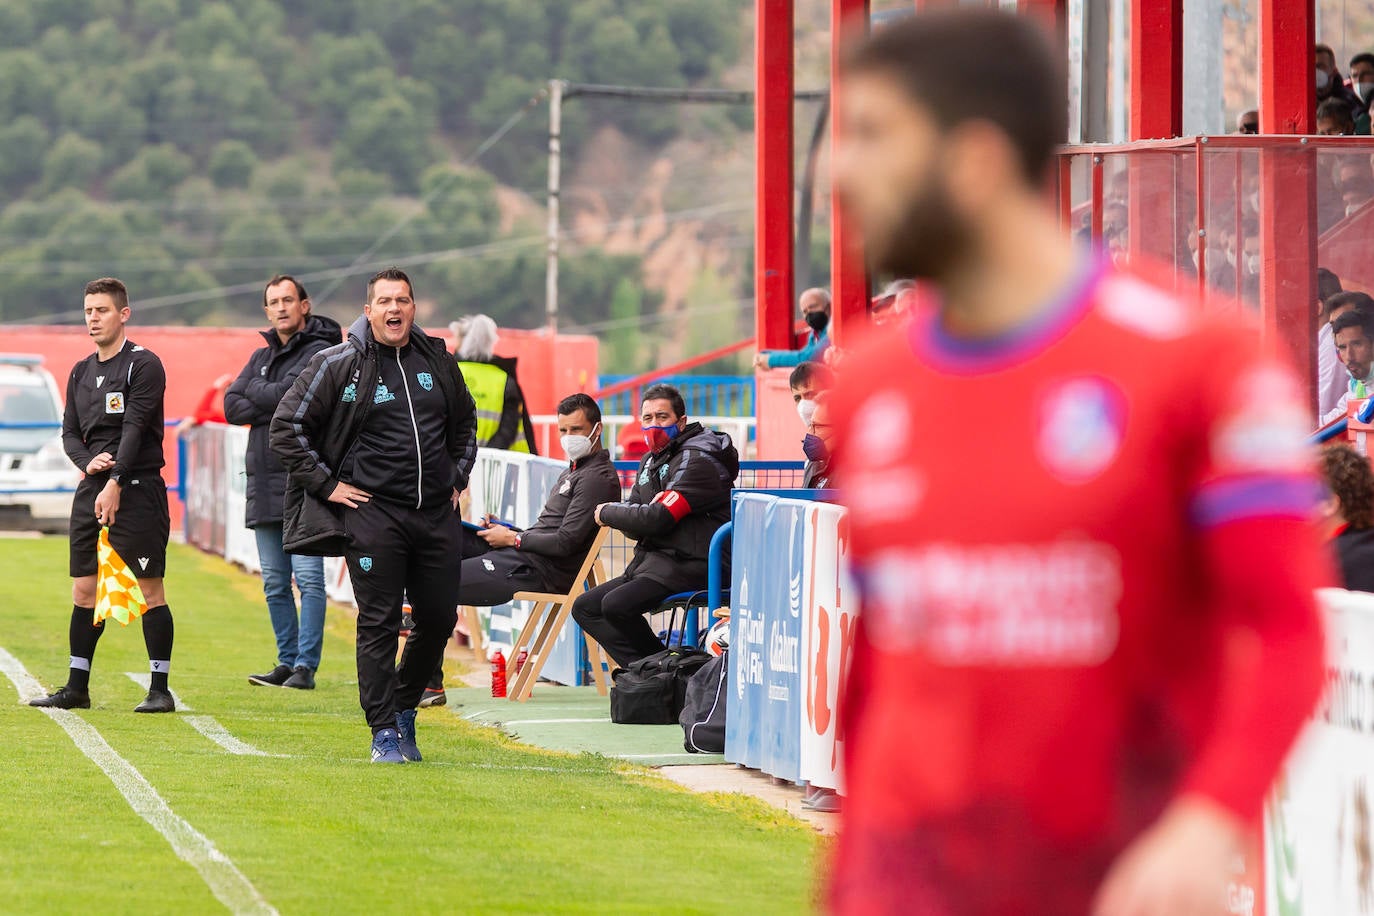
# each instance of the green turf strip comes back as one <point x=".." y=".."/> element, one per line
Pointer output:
<point x="484" y="825"/>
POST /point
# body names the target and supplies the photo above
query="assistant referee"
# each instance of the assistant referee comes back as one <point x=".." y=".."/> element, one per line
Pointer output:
<point x="112" y="431"/>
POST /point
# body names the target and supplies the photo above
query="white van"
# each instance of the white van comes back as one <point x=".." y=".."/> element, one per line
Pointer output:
<point x="37" y="478"/>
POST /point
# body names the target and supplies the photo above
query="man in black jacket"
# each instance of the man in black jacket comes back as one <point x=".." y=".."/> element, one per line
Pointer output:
<point x="680" y="498"/>
<point x="295" y="336"/>
<point x="499" y="561"/>
<point x="112" y="431"/>
<point x="378" y="436"/>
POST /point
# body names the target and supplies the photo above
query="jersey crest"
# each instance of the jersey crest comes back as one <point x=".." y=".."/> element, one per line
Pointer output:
<point x="426" y="380"/>
<point x="1082" y="424"/>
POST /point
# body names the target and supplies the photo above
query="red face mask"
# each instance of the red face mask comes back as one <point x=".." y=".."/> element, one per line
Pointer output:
<point x="658" y="437"/>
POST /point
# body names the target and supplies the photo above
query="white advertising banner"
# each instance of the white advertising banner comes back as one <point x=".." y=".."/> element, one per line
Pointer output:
<point x="829" y="610"/>
<point x="1319" y="821"/>
<point x="240" y="545"/>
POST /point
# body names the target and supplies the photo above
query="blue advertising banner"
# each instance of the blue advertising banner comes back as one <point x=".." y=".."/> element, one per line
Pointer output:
<point x="763" y="729"/>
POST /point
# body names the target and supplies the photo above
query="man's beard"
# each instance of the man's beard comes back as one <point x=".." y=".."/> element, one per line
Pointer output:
<point x="929" y="240"/>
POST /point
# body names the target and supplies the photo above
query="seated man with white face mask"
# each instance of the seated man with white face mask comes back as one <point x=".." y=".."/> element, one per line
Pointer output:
<point x="809" y="382"/>
<point x="499" y="561"/>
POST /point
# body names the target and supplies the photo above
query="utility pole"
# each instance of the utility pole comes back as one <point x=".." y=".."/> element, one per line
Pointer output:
<point x="555" y="181"/>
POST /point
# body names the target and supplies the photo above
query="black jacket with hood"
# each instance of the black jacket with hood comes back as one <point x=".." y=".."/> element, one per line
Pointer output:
<point x="253" y="398"/>
<point x="673" y="533"/>
<point x="318" y="422"/>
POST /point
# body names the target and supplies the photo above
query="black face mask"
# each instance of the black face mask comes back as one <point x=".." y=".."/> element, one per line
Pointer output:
<point x="817" y="320"/>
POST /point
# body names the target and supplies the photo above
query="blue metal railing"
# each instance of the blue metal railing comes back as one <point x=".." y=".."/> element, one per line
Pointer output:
<point x="706" y="395"/>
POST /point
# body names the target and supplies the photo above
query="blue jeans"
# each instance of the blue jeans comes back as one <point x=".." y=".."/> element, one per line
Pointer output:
<point x="298" y="643"/>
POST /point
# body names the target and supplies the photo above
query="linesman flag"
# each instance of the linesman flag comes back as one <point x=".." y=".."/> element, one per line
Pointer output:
<point x="117" y="593"/>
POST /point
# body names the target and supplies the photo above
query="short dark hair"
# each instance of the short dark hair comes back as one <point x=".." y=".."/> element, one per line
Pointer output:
<point x="583" y="402"/>
<point x="389" y="273"/>
<point x="109" y="286"/>
<point x="1359" y="318"/>
<point x="1328" y="284"/>
<point x="1362" y="302"/>
<point x="1324" y="49"/>
<point x="301" y="294"/>
<point x="1351" y="480"/>
<point x="964" y="65"/>
<point x="667" y="393"/>
<point x="1364" y="57"/>
<point x="1336" y="109"/>
<point x="808" y="370"/>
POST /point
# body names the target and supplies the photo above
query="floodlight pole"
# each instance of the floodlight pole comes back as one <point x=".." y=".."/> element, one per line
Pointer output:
<point x="555" y="183"/>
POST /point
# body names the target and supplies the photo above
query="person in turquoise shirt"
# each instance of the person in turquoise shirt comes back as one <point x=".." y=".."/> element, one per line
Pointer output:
<point x="815" y="310"/>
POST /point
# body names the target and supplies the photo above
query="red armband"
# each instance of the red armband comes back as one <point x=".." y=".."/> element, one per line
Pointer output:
<point x="675" y="503"/>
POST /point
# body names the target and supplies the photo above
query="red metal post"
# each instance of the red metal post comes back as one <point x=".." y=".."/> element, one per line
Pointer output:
<point x="848" y="273"/>
<point x="1156" y="69"/>
<point x="1288" y="181"/>
<point x="773" y="178"/>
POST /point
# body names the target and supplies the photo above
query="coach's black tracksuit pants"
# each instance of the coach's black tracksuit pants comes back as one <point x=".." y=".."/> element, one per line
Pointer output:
<point x="395" y="551"/>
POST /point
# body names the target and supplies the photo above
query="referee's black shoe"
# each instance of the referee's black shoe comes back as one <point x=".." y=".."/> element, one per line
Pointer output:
<point x="157" y="701"/>
<point x="274" y="678"/>
<point x="65" y="698"/>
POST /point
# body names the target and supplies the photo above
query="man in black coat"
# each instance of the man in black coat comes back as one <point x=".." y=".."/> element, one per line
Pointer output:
<point x="295" y="336"/>
<point x="680" y="498"/>
<point x="378" y="436"/>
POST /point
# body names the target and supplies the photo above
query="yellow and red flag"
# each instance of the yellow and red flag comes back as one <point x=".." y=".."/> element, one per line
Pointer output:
<point x="117" y="593"/>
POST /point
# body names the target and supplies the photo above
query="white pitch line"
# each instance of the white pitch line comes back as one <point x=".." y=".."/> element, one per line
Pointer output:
<point x="548" y="721"/>
<point x="145" y="681"/>
<point x="210" y="728"/>
<point x="219" y="873"/>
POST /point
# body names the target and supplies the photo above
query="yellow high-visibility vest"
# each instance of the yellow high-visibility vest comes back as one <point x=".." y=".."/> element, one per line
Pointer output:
<point x="487" y="383"/>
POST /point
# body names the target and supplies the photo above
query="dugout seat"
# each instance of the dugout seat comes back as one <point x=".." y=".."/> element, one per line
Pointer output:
<point x="547" y="618"/>
<point x="690" y="604"/>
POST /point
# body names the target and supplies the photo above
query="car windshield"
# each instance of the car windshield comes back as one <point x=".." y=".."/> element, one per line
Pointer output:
<point x="26" y="402"/>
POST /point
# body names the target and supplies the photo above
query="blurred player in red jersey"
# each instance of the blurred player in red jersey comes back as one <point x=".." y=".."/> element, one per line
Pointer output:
<point x="1088" y="640"/>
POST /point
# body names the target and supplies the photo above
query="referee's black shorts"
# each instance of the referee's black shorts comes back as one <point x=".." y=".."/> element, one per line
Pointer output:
<point x="139" y="534"/>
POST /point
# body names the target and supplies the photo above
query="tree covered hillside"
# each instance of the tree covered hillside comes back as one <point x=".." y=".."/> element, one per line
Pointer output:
<point x="188" y="146"/>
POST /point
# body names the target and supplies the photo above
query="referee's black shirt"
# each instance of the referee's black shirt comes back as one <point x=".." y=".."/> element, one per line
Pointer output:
<point x="115" y="406"/>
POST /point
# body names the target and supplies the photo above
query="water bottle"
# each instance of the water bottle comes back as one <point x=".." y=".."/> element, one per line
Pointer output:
<point x="520" y="659"/>
<point x="498" y="675"/>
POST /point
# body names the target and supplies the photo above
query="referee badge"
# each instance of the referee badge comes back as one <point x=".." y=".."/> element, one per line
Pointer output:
<point x="426" y="380"/>
<point x="114" y="402"/>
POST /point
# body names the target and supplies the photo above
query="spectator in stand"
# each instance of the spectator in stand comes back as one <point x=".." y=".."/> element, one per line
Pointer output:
<point x="1248" y="122"/>
<point x="1349" y="511"/>
<point x="294" y="337"/>
<point x="1362" y="81"/>
<point x="1355" y="183"/>
<point x="499" y="561"/>
<point x="807" y="381"/>
<point x="502" y="418"/>
<point x="1332" y="379"/>
<point x="681" y="496"/>
<point x="1354" y="334"/>
<point x="1334" y="119"/>
<point x="459" y="330"/>
<point x="815" y="311"/>
<point x="820" y="434"/>
<point x="1330" y="83"/>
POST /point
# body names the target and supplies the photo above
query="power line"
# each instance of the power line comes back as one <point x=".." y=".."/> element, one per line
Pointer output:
<point x="701" y="96"/>
<point x="495" y="137"/>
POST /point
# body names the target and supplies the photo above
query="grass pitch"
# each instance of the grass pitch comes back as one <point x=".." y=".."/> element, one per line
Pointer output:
<point x="483" y="825"/>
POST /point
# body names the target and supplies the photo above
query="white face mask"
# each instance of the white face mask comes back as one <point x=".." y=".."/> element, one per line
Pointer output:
<point x="1352" y="209"/>
<point x="1323" y="79"/>
<point x="1253" y="199"/>
<point x="1230" y="257"/>
<point x="806" y="409"/>
<point x="579" y="447"/>
<point x="1252" y="264"/>
<point x="1366" y="91"/>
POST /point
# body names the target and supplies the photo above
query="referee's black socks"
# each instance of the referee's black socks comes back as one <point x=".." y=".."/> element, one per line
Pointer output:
<point x="157" y="636"/>
<point x="82" y="637"/>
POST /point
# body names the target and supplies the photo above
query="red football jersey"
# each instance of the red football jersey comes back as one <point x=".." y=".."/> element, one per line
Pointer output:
<point x="1087" y="566"/>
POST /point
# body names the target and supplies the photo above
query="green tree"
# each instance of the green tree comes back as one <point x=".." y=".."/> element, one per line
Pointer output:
<point x="623" y="337"/>
<point x="151" y="175"/>
<point x="387" y="136"/>
<point x="22" y="143"/>
<point x="72" y="162"/>
<point x="232" y="164"/>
